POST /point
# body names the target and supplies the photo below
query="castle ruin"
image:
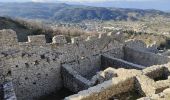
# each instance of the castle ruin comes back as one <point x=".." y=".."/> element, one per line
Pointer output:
<point x="94" y="68"/>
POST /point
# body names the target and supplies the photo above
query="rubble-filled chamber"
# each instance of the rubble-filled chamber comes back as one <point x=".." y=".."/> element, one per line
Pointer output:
<point x="158" y="73"/>
<point x="87" y="72"/>
<point x="114" y="89"/>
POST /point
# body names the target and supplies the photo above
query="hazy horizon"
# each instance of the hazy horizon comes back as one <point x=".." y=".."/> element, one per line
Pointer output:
<point x="139" y="4"/>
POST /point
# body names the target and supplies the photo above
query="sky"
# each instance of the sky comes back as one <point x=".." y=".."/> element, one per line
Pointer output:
<point x="141" y="4"/>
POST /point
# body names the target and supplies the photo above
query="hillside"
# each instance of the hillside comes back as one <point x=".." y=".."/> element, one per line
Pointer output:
<point x="25" y="28"/>
<point x="21" y="27"/>
<point x="74" y="13"/>
<point x="21" y="30"/>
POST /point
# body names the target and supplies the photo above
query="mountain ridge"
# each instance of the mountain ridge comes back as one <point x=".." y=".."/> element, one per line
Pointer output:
<point x="75" y="13"/>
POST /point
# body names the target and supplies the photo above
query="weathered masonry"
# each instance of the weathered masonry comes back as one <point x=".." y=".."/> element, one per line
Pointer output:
<point x="96" y="66"/>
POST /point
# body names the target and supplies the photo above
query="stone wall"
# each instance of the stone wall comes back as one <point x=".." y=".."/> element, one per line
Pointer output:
<point x="140" y="45"/>
<point x="143" y="57"/>
<point x="136" y="44"/>
<point x="78" y="75"/>
<point x="59" y="39"/>
<point x="105" y="91"/>
<point x="35" y="66"/>
<point x="109" y="61"/>
<point x="144" y="82"/>
<point x="39" y="39"/>
<point x="88" y="67"/>
<point x="8" y="39"/>
<point x="1" y="92"/>
<point x="7" y="91"/>
<point x="73" y="80"/>
<point x="5" y="71"/>
<point x="35" y="69"/>
<point x="35" y="75"/>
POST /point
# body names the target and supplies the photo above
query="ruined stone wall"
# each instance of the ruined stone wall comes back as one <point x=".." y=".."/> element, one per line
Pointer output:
<point x="143" y="82"/>
<point x="78" y="75"/>
<point x="8" y="91"/>
<point x="35" y="65"/>
<point x="88" y="66"/>
<point x="34" y="75"/>
<point x="143" y="57"/>
<point x="109" y="61"/>
<point x="8" y="39"/>
<point x="39" y="39"/>
<point x="140" y="45"/>
<point x="1" y="92"/>
<point x="5" y="71"/>
<point x="73" y="80"/>
<point x="105" y="91"/>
